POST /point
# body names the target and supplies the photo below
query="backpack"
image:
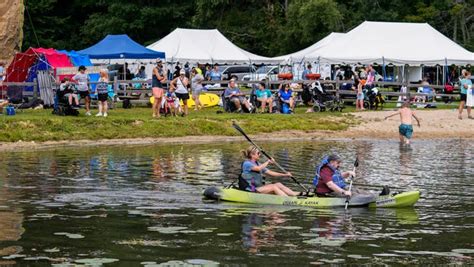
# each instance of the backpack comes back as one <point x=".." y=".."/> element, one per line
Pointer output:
<point x="448" y="88"/>
<point x="126" y="104"/>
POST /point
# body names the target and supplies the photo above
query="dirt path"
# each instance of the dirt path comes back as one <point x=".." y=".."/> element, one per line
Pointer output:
<point x="435" y="124"/>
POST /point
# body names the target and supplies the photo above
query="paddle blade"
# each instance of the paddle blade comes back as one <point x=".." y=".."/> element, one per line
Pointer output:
<point x="356" y="163"/>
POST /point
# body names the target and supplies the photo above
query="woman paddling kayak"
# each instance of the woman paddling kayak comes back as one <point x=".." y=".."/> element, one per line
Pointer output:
<point x="251" y="178"/>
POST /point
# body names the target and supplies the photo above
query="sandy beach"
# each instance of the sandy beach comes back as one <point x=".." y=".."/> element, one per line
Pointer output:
<point x="435" y="124"/>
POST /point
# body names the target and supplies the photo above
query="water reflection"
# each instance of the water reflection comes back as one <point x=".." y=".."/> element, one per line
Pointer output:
<point x="11" y="220"/>
<point x="113" y="196"/>
<point x="259" y="230"/>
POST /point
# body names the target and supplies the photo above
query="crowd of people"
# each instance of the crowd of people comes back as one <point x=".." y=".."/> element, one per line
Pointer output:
<point x="172" y="90"/>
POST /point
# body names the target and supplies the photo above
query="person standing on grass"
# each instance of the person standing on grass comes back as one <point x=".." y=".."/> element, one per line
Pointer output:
<point x="157" y="84"/>
<point x="464" y="84"/>
<point x="196" y="85"/>
<point x="82" y="80"/>
<point x="405" y="129"/>
<point x="102" y="93"/>
<point x="360" y="96"/>
<point x="180" y="86"/>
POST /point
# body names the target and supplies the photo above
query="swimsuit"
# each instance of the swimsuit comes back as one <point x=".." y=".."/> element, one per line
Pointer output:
<point x="406" y="130"/>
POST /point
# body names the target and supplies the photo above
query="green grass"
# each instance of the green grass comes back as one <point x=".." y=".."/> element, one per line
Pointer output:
<point x="41" y="125"/>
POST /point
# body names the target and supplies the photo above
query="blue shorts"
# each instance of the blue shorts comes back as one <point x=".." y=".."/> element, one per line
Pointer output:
<point x="360" y="96"/>
<point x="406" y="130"/>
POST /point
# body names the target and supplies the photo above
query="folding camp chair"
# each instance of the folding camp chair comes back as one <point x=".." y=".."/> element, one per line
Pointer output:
<point x="15" y="96"/>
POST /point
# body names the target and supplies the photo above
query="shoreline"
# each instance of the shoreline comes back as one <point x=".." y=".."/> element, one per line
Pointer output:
<point x="435" y="124"/>
<point x="189" y="140"/>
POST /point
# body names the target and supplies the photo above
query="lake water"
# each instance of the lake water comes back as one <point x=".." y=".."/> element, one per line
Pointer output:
<point x="142" y="206"/>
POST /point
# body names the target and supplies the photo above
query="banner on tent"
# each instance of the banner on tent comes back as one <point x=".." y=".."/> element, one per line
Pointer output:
<point x="73" y="70"/>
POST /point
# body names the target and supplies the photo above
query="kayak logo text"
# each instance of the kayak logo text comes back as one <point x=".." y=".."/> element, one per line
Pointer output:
<point x="385" y="201"/>
<point x="296" y="203"/>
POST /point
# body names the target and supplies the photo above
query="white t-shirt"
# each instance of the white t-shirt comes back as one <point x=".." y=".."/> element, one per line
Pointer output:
<point x="82" y="80"/>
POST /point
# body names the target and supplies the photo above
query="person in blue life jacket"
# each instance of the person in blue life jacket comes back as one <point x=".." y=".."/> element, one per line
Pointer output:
<point x="251" y="178"/>
<point x="329" y="180"/>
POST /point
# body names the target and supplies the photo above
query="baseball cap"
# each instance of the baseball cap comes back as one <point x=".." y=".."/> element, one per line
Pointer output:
<point x="182" y="72"/>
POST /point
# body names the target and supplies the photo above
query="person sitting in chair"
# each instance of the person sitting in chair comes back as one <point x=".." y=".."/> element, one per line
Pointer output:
<point x="286" y="96"/>
<point x="67" y="90"/>
<point x="234" y="94"/>
<point x="2" y="105"/>
<point x="264" y="96"/>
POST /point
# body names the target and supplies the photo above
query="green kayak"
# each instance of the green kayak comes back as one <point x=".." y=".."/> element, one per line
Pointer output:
<point x="399" y="200"/>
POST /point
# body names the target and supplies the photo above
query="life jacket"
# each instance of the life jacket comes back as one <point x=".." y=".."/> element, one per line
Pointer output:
<point x="250" y="181"/>
<point x="336" y="177"/>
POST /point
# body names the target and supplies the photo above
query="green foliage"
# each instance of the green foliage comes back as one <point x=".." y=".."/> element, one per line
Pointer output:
<point x="266" y="27"/>
<point x="309" y="21"/>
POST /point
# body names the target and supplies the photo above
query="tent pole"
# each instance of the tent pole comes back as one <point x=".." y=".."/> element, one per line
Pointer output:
<point x="124" y="70"/>
<point x="446" y="70"/>
<point x="437" y="75"/>
<point x="383" y="68"/>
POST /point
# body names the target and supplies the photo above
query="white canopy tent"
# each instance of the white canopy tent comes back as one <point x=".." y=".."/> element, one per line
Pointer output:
<point x="204" y="46"/>
<point x="302" y="54"/>
<point x="392" y="42"/>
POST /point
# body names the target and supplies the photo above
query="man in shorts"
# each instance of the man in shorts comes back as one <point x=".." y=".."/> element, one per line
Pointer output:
<point x="234" y="94"/>
<point x="405" y="129"/>
<point x="82" y="80"/>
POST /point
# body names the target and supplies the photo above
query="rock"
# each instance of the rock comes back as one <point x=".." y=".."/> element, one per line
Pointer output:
<point x="11" y="28"/>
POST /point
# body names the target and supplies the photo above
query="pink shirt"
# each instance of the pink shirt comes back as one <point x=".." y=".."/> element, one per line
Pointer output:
<point x="370" y="78"/>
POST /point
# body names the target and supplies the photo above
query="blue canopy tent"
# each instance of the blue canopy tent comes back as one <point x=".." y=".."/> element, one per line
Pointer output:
<point x="84" y="60"/>
<point x="120" y="46"/>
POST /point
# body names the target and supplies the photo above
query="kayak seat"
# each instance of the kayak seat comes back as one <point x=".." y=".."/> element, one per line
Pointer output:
<point x="385" y="191"/>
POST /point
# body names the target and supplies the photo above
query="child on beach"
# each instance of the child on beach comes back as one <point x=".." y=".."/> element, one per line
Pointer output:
<point x="405" y="129"/>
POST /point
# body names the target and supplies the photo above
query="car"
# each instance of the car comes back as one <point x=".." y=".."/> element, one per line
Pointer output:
<point x="236" y="72"/>
<point x="263" y="73"/>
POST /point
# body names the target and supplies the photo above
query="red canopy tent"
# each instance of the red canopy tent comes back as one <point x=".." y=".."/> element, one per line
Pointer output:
<point x="26" y="66"/>
<point x="18" y="70"/>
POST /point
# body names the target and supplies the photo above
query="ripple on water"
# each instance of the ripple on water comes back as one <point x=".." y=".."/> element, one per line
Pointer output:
<point x="157" y="190"/>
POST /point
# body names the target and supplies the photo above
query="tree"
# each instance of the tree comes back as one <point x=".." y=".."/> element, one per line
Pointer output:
<point x="310" y="21"/>
<point x="266" y="27"/>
